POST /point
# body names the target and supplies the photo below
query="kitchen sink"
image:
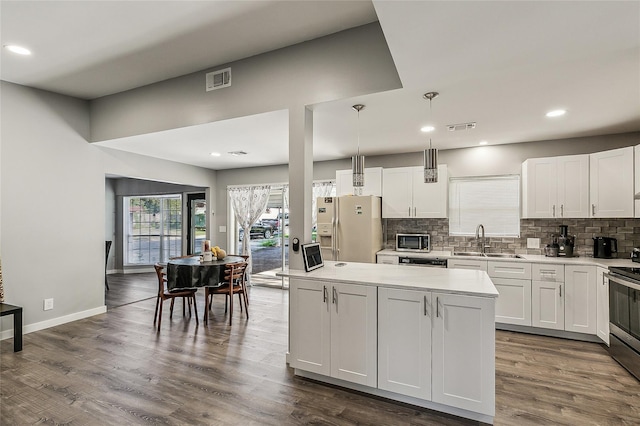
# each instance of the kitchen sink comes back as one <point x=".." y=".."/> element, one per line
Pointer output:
<point x="505" y="255"/>
<point x="478" y="254"/>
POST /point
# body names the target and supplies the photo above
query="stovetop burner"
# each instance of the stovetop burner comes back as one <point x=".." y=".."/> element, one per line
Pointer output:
<point x="632" y="273"/>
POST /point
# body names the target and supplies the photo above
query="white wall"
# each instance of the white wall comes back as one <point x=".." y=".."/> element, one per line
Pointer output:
<point x="53" y="209"/>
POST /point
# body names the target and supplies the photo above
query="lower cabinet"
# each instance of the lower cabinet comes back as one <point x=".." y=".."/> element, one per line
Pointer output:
<point x="333" y="330"/>
<point x="547" y="305"/>
<point x="602" y="308"/>
<point x="438" y="347"/>
<point x="404" y="342"/>
<point x="476" y="265"/>
<point x="514" y="304"/>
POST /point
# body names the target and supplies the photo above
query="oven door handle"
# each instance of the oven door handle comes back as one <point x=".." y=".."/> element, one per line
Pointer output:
<point x="622" y="281"/>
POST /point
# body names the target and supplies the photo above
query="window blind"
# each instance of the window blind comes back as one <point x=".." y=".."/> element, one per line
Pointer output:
<point x="493" y="201"/>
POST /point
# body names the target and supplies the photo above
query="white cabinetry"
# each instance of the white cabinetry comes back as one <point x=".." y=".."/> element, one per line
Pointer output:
<point x="602" y="310"/>
<point x="388" y="259"/>
<point x="333" y="330"/>
<point x="580" y="299"/>
<point x="513" y="282"/>
<point x="405" y="195"/>
<point x="556" y="187"/>
<point x="372" y="182"/>
<point x="404" y="342"/>
<point x="463" y="358"/>
<point x="474" y="264"/>
<point x="547" y="305"/>
<point x="611" y="183"/>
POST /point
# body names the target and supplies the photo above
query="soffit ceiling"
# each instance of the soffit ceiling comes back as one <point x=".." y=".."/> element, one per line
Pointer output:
<point x="502" y="65"/>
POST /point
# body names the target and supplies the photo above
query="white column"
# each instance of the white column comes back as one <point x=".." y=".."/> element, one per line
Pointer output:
<point x="300" y="180"/>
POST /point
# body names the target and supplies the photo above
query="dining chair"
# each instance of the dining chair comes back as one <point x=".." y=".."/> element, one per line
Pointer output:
<point x="233" y="283"/>
<point x="188" y="296"/>
<point x="246" y="278"/>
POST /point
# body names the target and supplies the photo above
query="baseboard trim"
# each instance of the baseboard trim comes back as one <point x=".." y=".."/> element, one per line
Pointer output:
<point x="30" y="328"/>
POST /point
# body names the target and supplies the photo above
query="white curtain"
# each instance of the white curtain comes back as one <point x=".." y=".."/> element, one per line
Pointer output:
<point x="285" y="199"/>
<point x="249" y="202"/>
<point x="320" y="189"/>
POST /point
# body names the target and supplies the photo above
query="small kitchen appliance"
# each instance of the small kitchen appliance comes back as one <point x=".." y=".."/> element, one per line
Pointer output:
<point x="566" y="242"/>
<point x="413" y="242"/>
<point x="635" y="254"/>
<point x="551" y="250"/>
<point x="605" y="247"/>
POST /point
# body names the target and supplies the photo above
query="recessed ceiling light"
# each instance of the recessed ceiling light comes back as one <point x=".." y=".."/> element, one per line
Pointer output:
<point x="427" y="129"/>
<point x="17" y="49"/>
<point x="556" y="113"/>
<point x="483" y="143"/>
<point x="215" y="154"/>
<point x="237" y="153"/>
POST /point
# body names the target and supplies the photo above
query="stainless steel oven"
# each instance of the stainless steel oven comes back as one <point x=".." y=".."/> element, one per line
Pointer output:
<point x="624" y="317"/>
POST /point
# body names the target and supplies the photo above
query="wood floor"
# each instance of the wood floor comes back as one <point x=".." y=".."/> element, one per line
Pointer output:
<point x="114" y="369"/>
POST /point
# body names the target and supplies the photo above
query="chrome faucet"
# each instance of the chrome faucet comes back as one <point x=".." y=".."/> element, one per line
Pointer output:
<point x="481" y="238"/>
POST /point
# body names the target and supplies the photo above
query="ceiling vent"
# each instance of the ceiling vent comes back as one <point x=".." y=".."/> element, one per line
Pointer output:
<point x="218" y="79"/>
<point x="461" y="126"/>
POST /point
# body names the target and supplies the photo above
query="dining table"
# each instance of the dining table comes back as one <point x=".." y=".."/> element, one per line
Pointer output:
<point x="193" y="272"/>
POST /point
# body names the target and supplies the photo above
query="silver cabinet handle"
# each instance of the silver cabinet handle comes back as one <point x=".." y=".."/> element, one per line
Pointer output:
<point x="324" y="294"/>
<point x="554" y="210"/>
<point x="561" y="210"/>
<point x="560" y="287"/>
<point x="415" y="212"/>
<point x="593" y="209"/>
<point x="335" y="298"/>
<point x="425" y="305"/>
<point x="437" y="307"/>
<point x="409" y="211"/>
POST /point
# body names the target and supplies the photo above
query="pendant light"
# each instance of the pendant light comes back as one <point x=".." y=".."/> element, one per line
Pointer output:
<point x="357" y="161"/>
<point x="431" y="154"/>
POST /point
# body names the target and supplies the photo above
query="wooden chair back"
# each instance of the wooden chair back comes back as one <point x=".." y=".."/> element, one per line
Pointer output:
<point x="161" y="277"/>
<point x="234" y="273"/>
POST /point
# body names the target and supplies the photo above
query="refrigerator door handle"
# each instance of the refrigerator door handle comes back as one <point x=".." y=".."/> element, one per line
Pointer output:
<point x="336" y="255"/>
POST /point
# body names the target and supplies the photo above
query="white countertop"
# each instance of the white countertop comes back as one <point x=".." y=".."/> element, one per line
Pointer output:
<point x="458" y="281"/>
<point x="532" y="258"/>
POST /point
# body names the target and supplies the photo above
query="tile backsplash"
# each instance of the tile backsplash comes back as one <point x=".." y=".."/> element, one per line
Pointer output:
<point x="627" y="231"/>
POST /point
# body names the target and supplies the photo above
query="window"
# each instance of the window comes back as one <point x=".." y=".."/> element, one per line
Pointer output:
<point x="153" y="229"/>
<point x="493" y="201"/>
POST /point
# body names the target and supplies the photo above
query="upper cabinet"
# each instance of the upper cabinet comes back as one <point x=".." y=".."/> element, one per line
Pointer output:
<point x="405" y="195"/>
<point x="611" y="183"/>
<point x="556" y="187"/>
<point x="372" y="182"/>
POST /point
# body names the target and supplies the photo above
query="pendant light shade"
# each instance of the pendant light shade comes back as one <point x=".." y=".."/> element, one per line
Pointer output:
<point x="357" y="161"/>
<point x="431" y="154"/>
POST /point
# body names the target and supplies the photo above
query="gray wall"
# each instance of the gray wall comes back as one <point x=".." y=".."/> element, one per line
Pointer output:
<point x="352" y="62"/>
<point x="54" y="204"/>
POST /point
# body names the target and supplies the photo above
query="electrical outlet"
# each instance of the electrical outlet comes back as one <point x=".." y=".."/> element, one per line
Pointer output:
<point x="533" y="243"/>
<point x="48" y="304"/>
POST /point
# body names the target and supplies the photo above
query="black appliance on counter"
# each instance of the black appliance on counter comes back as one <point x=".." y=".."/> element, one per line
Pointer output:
<point x="635" y="255"/>
<point x="605" y="247"/>
<point x="566" y="242"/>
<point x="624" y="317"/>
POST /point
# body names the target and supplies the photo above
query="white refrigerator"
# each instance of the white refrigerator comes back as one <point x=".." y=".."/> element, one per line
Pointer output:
<point x="350" y="228"/>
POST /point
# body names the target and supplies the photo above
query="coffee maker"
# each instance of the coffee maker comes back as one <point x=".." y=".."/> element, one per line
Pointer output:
<point x="566" y="242"/>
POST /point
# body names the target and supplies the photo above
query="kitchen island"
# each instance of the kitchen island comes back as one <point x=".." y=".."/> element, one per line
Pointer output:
<point x="423" y="336"/>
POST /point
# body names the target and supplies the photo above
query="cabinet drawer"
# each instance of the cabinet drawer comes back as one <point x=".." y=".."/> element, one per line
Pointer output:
<point x="547" y="272"/>
<point x="477" y="265"/>
<point x="517" y="270"/>
<point x="388" y="259"/>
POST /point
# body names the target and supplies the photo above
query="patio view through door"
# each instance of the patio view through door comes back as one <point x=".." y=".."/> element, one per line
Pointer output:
<point x="196" y="222"/>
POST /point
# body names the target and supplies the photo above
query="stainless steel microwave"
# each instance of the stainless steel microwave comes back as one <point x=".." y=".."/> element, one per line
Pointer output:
<point x="413" y="242"/>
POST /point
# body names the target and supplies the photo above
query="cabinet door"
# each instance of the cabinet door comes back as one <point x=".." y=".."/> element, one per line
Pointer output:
<point x="514" y="304"/>
<point x="372" y="182"/>
<point x="430" y="199"/>
<point x="404" y="342"/>
<point x="573" y="186"/>
<point x="602" y="310"/>
<point x="515" y="270"/>
<point x="539" y="187"/>
<point x="637" y="175"/>
<point x="547" y="305"/>
<point x="611" y="183"/>
<point x="354" y="333"/>
<point x="476" y="265"/>
<point x="463" y="371"/>
<point x="310" y="326"/>
<point x="396" y="193"/>
<point x="580" y="303"/>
